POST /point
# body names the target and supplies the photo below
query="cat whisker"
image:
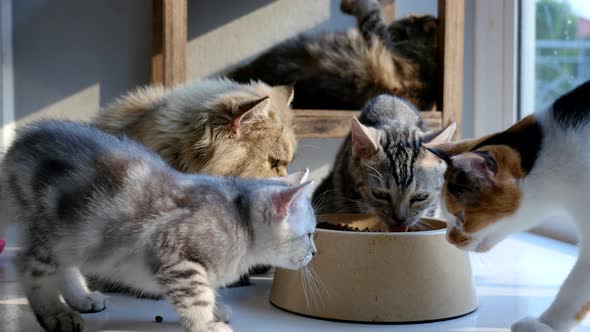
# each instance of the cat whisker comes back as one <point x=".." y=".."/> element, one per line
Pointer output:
<point x="304" y="286"/>
<point x="374" y="170"/>
<point x="316" y="287"/>
<point x="311" y="287"/>
<point x="427" y="224"/>
<point x="321" y="202"/>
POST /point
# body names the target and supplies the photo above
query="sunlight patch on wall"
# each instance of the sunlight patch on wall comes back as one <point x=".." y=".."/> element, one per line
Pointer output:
<point x="252" y="33"/>
<point x="80" y="106"/>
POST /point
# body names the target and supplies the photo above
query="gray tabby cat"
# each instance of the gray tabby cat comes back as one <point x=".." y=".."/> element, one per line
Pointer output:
<point x="93" y="203"/>
<point x="381" y="167"/>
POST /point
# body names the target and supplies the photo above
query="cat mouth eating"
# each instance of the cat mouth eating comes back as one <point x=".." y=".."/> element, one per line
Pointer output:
<point x="397" y="228"/>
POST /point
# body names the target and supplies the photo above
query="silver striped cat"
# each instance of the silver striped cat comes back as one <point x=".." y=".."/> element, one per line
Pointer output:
<point x="381" y="167"/>
<point x="91" y="203"/>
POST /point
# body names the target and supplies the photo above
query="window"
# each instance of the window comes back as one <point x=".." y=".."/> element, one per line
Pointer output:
<point x="554" y="58"/>
<point x="555" y="50"/>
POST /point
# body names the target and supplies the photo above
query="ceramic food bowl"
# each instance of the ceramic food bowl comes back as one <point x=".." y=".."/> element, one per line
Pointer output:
<point x="378" y="277"/>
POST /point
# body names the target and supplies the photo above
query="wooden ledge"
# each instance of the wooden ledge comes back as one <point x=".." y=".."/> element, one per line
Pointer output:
<point x="336" y="123"/>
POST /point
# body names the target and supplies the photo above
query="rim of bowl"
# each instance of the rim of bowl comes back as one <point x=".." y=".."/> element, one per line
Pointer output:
<point x="417" y="233"/>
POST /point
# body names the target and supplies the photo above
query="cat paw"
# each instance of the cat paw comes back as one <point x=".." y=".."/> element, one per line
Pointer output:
<point x="531" y="325"/>
<point x="91" y="302"/>
<point x="65" y="321"/>
<point x="219" y="327"/>
<point x="222" y="313"/>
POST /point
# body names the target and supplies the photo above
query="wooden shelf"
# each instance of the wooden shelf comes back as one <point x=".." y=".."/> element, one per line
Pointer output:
<point x="336" y="123"/>
<point x="169" y="32"/>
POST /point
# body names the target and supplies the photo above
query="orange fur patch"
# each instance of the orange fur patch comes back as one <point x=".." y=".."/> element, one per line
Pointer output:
<point x="457" y="238"/>
<point x="498" y="201"/>
<point x="492" y="202"/>
<point x="580" y="315"/>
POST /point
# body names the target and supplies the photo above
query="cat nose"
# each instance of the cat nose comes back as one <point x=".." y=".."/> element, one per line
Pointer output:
<point x="399" y="221"/>
<point x="400" y="218"/>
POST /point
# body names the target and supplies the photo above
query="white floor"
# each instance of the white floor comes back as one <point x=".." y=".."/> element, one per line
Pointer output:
<point x="518" y="278"/>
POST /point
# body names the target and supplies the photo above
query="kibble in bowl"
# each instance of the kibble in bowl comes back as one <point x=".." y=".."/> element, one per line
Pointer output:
<point x="364" y="273"/>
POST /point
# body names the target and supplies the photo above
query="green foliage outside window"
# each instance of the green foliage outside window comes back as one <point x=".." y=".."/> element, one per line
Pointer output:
<point x="561" y="62"/>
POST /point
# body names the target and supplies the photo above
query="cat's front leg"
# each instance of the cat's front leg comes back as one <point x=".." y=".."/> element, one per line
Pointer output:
<point x="569" y="307"/>
<point x="186" y="285"/>
<point x="222" y="312"/>
<point x="530" y="324"/>
<point x="39" y="276"/>
<point x="370" y="21"/>
<point x="76" y="293"/>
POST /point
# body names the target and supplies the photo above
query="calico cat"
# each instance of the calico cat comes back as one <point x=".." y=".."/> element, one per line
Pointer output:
<point x="215" y="126"/>
<point x="345" y="70"/>
<point x="381" y="167"/>
<point x="506" y="182"/>
<point x="95" y="203"/>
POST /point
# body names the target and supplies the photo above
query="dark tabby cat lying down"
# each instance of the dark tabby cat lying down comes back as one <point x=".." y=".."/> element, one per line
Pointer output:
<point x="381" y="167"/>
<point x="345" y="70"/>
<point x="98" y="204"/>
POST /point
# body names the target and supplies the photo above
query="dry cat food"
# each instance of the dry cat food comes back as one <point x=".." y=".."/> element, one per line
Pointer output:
<point x="347" y="228"/>
<point x="341" y="227"/>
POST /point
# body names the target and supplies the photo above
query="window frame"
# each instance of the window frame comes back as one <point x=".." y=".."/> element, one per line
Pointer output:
<point x="495" y="65"/>
<point x="503" y="61"/>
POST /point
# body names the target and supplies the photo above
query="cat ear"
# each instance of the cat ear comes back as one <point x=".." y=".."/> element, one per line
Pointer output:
<point x="287" y="92"/>
<point x="479" y="166"/>
<point x="440" y="136"/>
<point x="431" y="139"/>
<point x="247" y="109"/>
<point x="298" y="177"/>
<point x="281" y="201"/>
<point x="294" y="178"/>
<point x="436" y="152"/>
<point x="455" y="148"/>
<point x="364" y="140"/>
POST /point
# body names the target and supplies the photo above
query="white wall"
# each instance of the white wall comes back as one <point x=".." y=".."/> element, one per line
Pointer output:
<point x="70" y="57"/>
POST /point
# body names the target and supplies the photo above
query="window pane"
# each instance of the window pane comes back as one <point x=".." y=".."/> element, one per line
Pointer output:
<point x="562" y="48"/>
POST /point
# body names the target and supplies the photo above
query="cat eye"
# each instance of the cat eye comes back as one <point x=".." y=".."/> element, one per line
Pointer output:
<point x="381" y="195"/>
<point x="460" y="217"/>
<point x="274" y="162"/>
<point x="418" y="198"/>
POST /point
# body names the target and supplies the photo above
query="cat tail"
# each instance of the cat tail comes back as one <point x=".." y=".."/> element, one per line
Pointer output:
<point x="129" y="109"/>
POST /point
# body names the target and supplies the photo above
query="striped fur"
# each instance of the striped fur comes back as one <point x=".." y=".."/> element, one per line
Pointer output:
<point x="399" y="181"/>
<point x="344" y="70"/>
<point x="92" y="203"/>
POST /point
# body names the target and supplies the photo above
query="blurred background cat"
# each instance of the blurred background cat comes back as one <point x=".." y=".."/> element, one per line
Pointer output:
<point x="344" y="70"/>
